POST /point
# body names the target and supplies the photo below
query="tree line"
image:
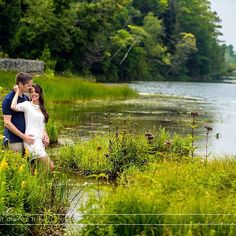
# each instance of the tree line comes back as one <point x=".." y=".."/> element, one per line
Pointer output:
<point x="116" y="40"/>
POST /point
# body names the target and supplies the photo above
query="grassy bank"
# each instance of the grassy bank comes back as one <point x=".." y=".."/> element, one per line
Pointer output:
<point x="168" y="198"/>
<point x="71" y="89"/>
<point x="161" y="189"/>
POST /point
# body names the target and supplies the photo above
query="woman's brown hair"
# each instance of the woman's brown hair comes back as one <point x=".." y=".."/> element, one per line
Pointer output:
<point x="39" y="90"/>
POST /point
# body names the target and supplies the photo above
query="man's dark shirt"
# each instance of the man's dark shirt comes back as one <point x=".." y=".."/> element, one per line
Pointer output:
<point x="18" y="118"/>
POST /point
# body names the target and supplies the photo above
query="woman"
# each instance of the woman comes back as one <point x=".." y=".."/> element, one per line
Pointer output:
<point x="35" y="118"/>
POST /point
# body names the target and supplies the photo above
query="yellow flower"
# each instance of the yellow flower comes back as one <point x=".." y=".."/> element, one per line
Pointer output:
<point x="23" y="184"/>
<point x="3" y="165"/>
<point x="21" y="167"/>
<point x="26" y="152"/>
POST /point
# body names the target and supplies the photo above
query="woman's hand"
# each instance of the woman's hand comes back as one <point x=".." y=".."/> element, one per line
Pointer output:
<point x="46" y="139"/>
<point x="16" y="89"/>
<point x="14" y="100"/>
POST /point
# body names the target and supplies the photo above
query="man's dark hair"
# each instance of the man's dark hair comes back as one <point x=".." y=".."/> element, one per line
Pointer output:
<point x="23" y="78"/>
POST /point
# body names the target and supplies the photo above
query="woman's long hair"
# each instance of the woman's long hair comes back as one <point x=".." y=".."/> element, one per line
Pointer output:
<point x="39" y="90"/>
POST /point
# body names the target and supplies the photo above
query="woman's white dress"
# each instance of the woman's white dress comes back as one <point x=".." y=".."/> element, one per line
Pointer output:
<point x="35" y="125"/>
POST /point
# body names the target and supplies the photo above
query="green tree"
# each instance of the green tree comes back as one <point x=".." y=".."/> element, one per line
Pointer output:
<point x="41" y="27"/>
<point x="11" y="12"/>
<point x="95" y="23"/>
<point x="196" y="17"/>
<point x="185" y="46"/>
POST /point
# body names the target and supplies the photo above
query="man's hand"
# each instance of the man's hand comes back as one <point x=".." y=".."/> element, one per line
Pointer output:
<point x="28" y="138"/>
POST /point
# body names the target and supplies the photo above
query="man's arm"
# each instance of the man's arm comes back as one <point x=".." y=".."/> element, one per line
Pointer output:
<point x="8" y="124"/>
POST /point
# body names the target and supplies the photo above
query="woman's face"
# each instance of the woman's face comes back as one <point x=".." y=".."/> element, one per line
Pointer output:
<point x="34" y="95"/>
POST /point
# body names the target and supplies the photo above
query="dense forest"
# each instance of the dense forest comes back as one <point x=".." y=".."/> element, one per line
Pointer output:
<point x="116" y="40"/>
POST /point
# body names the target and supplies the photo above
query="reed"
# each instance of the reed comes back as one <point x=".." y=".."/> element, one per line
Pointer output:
<point x="72" y="89"/>
<point x="69" y="89"/>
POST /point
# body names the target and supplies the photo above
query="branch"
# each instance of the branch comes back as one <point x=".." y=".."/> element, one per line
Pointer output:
<point x="126" y="54"/>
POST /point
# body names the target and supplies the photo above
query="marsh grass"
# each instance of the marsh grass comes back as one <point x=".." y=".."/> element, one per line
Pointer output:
<point x="114" y="153"/>
<point x="72" y="89"/>
<point x="86" y="157"/>
<point x="168" y="198"/>
<point x="53" y="128"/>
<point x="62" y="89"/>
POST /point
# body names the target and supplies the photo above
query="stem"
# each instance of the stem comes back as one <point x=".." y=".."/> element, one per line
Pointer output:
<point x="206" y="146"/>
<point x="193" y="123"/>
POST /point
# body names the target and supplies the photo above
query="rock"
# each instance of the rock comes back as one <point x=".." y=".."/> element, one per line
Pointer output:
<point x="21" y="65"/>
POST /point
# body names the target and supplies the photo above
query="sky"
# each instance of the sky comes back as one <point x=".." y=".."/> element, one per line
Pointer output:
<point x="226" y="11"/>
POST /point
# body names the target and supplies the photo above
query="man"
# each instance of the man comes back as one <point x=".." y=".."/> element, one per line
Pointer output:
<point x="14" y="121"/>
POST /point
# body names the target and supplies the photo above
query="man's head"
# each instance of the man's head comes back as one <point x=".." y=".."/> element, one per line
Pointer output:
<point x="24" y="81"/>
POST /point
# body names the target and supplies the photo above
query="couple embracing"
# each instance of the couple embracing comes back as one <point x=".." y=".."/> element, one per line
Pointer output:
<point x="24" y="120"/>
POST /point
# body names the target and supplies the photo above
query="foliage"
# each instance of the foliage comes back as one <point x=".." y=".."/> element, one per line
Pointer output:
<point x="126" y="150"/>
<point x="116" y="153"/>
<point x="116" y="40"/>
<point x="168" y="198"/>
<point x="163" y="146"/>
<point x="87" y="157"/>
<point x="53" y="130"/>
<point x="27" y="201"/>
<point x="230" y="59"/>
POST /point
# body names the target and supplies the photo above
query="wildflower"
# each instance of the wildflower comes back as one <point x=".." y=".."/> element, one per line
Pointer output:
<point x="23" y="184"/>
<point x="194" y="113"/>
<point x="3" y="165"/>
<point x="21" y="167"/>
<point x="35" y="172"/>
<point x="208" y="128"/>
<point x="150" y="137"/>
<point x="26" y="152"/>
<point x="167" y="143"/>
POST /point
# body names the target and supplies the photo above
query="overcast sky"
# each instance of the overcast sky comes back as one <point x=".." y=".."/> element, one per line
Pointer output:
<point x="226" y="11"/>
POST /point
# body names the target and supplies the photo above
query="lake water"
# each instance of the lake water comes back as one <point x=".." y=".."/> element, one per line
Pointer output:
<point x="215" y="102"/>
<point x="165" y="104"/>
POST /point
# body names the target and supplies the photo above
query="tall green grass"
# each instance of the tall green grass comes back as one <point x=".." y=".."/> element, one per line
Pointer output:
<point x="71" y="89"/>
<point x="112" y="154"/>
<point x="30" y="204"/>
<point x="169" y="198"/>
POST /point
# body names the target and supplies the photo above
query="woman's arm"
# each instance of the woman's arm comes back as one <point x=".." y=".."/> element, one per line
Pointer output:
<point x="15" y="98"/>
